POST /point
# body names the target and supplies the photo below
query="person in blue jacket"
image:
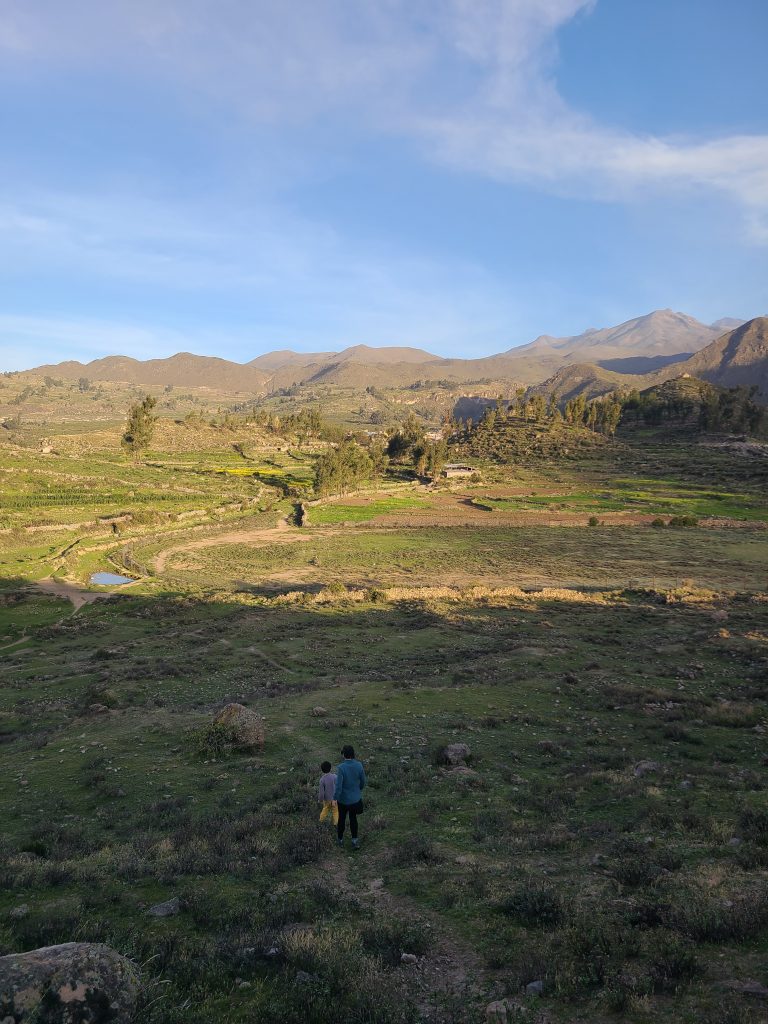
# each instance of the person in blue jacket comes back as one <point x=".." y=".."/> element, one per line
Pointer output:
<point x="350" y="783"/>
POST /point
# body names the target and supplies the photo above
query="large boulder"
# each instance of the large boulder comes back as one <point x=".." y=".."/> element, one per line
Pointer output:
<point x="457" y="753"/>
<point x="247" y="727"/>
<point x="75" y="983"/>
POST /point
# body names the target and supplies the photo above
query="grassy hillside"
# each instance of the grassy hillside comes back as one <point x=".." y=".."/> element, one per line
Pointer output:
<point x="605" y="833"/>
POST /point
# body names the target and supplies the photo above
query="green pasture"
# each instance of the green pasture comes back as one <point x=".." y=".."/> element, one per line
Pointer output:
<point x="609" y="557"/>
<point x="548" y="827"/>
<point x="333" y="512"/>
<point x="650" y="497"/>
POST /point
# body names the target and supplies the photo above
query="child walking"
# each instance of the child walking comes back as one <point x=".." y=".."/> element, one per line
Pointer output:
<point x="325" y="793"/>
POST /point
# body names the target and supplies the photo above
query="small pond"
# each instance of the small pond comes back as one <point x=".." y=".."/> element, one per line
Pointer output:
<point x="110" y="579"/>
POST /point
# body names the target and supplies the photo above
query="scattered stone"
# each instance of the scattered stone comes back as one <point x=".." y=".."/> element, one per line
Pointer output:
<point x="318" y="712"/>
<point x="304" y="978"/>
<point x="748" y="987"/>
<point x="686" y="784"/>
<point x="170" y="908"/>
<point x="645" y="768"/>
<point x="377" y="883"/>
<point x="598" y="860"/>
<point x="77" y="982"/>
<point x="16" y="913"/>
<point x="457" y="753"/>
<point x="497" y="1012"/>
<point x="408" y="958"/>
<point x="735" y="841"/>
<point x="98" y="709"/>
<point x="534" y="988"/>
<point x="247" y="726"/>
<point x="571" y="678"/>
<point x="720" y="615"/>
<point x="465" y="859"/>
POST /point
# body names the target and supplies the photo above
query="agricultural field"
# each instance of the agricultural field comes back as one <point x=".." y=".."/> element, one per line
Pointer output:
<point x="591" y="631"/>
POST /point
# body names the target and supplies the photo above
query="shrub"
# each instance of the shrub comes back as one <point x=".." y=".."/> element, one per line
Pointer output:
<point x="658" y="524"/>
<point x="415" y="850"/>
<point x="683" y="522"/>
<point x="214" y="740"/>
<point x="389" y="937"/>
<point x="753" y="825"/>
<point x="534" y="903"/>
<point x="593" y="521"/>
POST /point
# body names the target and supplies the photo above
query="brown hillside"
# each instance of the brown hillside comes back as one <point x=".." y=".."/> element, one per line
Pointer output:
<point x="739" y="357"/>
<point x="181" y="370"/>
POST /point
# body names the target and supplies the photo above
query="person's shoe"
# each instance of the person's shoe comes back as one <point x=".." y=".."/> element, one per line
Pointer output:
<point x="339" y="842"/>
<point x="355" y="844"/>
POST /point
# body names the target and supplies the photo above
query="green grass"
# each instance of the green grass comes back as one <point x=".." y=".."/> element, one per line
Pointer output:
<point x="329" y="514"/>
<point x="116" y="810"/>
<point x="654" y="498"/>
<point x="526" y="556"/>
<point x="550" y="859"/>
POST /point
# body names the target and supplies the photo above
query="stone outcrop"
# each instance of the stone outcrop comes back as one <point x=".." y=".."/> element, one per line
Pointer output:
<point x="247" y="727"/>
<point x="74" y="983"/>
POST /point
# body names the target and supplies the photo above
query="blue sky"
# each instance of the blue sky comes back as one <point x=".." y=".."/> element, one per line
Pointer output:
<point x="461" y="175"/>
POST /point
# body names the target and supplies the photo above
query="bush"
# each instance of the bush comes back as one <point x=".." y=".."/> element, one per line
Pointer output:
<point x="593" y="521"/>
<point x="214" y="741"/>
<point x="683" y="521"/>
<point x="753" y="825"/>
<point x="533" y="903"/>
<point x="389" y="937"/>
<point x="415" y="850"/>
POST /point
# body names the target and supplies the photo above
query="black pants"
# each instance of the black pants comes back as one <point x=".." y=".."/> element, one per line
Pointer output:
<point x="344" y="810"/>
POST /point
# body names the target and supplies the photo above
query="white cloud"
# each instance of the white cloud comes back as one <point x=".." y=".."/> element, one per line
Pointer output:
<point x="472" y="80"/>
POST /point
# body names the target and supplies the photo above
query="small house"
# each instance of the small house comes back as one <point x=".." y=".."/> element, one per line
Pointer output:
<point x="451" y="469"/>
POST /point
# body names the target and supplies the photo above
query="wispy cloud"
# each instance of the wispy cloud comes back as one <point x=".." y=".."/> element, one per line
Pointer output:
<point x="474" y="80"/>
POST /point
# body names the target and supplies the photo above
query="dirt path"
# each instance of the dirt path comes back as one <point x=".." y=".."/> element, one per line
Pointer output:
<point x="282" y="533"/>
<point x="69" y="591"/>
<point x="450" y="970"/>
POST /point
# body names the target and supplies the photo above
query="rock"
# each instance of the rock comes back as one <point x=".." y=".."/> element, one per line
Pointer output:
<point x="247" y="726"/>
<point x="318" y="712"/>
<point x="719" y="615"/>
<point x="170" y="908"/>
<point x="686" y="784"/>
<point x="377" y="883"/>
<point x="571" y="678"/>
<point x="735" y="841"/>
<point x="457" y="753"/>
<point x="645" y="768"/>
<point x="98" y="709"/>
<point x="534" y="988"/>
<point x="408" y="958"/>
<point x="16" y="913"/>
<point x="497" y="1012"/>
<point x="304" y="978"/>
<point x="747" y="988"/>
<point x="77" y="982"/>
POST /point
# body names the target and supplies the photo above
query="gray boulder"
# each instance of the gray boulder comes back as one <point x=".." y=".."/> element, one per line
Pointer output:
<point x="457" y="753"/>
<point x="76" y="983"/>
<point x="646" y="768"/>
<point x="170" y="908"/>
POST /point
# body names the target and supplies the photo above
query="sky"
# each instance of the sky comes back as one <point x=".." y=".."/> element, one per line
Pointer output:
<point x="229" y="177"/>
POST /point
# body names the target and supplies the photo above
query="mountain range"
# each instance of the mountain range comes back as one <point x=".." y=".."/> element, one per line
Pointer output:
<point x="639" y="352"/>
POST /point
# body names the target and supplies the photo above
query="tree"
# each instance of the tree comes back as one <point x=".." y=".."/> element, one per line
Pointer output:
<point x="83" y="384"/>
<point x="437" y="453"/>
<point x="340" y="469"/>
<point x="403" y="441"/>
<point x="140" y="426"/>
